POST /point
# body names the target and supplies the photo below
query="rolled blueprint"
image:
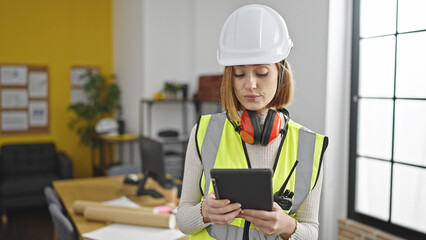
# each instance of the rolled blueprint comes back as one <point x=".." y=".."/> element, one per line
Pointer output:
<point x="79" y="206"/>
<point x="134" y="217"/>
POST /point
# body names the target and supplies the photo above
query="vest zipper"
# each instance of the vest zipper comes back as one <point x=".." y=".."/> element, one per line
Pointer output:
<point x="246" y="230"/>
<point x="245" y="153"/>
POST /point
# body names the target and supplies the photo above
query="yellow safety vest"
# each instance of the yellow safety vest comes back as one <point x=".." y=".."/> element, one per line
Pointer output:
<point x="218" y="142"/>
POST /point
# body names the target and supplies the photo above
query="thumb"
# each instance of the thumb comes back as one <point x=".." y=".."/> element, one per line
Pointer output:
<point x="276" y="207"/>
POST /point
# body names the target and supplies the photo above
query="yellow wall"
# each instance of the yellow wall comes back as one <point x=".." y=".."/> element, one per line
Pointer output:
<point x="57" y="33"/>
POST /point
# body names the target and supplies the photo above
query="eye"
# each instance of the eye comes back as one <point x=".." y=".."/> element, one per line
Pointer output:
<point x="262" y="74"/>
<point x="239" y="75"/>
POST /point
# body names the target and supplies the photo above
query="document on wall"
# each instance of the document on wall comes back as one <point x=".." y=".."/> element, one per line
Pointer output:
<point x="78" y="96"/>
<point x="79" y="77"/>
<point x="13" y="75"/>
<point x="11" y="121"/>
<point x="14" y="98"/>
<point x="38" y="84"/>
<point x="131" y="232"/>
<point x="38" y="113"/>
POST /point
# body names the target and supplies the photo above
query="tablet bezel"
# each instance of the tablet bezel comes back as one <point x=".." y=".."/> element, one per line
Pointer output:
<point x="252" y="187"/>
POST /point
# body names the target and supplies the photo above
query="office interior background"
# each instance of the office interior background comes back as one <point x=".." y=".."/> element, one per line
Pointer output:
<point x="146" y="43"/>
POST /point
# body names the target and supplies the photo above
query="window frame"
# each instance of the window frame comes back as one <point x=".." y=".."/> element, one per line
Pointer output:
<point x="387" y="226"/>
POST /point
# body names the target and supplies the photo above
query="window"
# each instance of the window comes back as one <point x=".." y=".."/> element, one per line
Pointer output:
<point x="387" y="176"/>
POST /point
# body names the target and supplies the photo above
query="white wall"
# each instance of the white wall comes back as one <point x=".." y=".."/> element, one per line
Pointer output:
<point x="177" y="40"/>
<point x="167" y="43"/>
<point x="128" y="57"/>
<point x="335" y="191"/>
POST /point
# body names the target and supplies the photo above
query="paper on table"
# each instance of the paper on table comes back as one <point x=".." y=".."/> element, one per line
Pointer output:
<point x="123" y="202"/>
<point x="130" y="232"/>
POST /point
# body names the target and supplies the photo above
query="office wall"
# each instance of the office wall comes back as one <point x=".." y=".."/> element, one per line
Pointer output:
<point x="179" y="42"/>
<point x="128" y="58"/>
<point x="334" y="195"/>
<point x="58" y="34"/>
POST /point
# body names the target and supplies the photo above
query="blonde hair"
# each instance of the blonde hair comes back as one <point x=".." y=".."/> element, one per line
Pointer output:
<point x="283" y="95"/>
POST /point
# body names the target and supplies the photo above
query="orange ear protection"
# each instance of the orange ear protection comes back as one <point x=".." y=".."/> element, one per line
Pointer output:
<point x="250" y="128"/>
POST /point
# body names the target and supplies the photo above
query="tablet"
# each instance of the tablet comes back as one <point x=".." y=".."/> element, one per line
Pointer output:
<point x="252" y="188"/>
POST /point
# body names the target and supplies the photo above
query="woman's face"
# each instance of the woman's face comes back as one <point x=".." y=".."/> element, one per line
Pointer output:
<point x="255" y="85"/>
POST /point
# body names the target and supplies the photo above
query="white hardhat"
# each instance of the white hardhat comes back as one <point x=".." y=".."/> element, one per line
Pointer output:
<point x="253" y="34"/>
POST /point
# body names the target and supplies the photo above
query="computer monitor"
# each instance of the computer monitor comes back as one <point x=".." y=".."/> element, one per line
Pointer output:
<point x="153" y="165"/>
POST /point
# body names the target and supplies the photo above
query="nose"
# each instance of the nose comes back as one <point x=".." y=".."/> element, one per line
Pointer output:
<point x="251" y="82"/>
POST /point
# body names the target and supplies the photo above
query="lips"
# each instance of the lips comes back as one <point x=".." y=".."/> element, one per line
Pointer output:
<point x="251" y="97"/>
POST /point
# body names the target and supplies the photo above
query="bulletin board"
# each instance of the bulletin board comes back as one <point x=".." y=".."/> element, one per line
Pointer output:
<point x="24" y="94"/>
<point x="77" y="82"/>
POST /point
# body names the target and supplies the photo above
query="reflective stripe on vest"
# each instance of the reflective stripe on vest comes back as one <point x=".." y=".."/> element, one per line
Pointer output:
<point x="218" y="142"/>
<point x="305" y="155"/>
<point x="210" y="145"/>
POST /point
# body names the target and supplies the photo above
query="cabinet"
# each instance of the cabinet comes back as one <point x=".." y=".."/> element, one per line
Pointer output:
<point x="175" y="160"/>
<point x="174" y="147"/>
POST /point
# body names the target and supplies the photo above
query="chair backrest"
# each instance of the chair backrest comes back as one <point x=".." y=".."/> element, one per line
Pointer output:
<point x="64" y="228"/>
<point x="124" y="169"/>
<point x="26" y="159"/>
<point x="51" y="197"/>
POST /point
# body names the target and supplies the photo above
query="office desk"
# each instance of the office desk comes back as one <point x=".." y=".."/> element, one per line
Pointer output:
<point x="100" y="189"/>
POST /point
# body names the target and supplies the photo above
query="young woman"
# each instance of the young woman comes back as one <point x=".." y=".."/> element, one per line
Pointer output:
<point x="253" y="132"/>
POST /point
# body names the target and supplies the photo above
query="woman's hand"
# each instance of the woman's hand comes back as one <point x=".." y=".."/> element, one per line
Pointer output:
<point x="276" y="222"/>
<point x="220" y="212"/>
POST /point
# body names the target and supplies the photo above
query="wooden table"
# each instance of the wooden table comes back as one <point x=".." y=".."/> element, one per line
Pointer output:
<point x="100" y="189"/>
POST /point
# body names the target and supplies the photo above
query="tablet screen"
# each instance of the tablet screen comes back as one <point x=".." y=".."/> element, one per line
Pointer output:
<point x="252" y="188"/>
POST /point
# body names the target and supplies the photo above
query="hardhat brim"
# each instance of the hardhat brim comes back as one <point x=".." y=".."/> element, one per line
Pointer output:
<point x="225" y="58"/>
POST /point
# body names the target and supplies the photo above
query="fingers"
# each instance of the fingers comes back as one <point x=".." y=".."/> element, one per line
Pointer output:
<point x="259" y="214"/>
<point x="268" y="227"/>
<point x="276" y="207"/>
<point x="213" y="202"/>
<point x="269" y="223"/>
<point x="221" y="211"/>
<point x="225" y="219"/>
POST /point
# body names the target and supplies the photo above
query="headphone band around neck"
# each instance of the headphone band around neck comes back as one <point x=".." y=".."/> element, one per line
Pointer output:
<point x="284" y="111"/>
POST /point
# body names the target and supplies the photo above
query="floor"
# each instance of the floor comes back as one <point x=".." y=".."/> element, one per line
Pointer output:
<point x="28" y="224"/>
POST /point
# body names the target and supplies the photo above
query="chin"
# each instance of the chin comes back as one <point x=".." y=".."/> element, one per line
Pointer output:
<point x="254" y="107"/>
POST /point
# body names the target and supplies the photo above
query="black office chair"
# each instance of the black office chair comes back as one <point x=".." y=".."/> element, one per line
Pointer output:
<point x="51" y="197"/>
<point x="63" y="226"/>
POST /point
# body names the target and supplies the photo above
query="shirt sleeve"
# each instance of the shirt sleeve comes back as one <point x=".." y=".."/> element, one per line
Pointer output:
<point x="188" y="217"/>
